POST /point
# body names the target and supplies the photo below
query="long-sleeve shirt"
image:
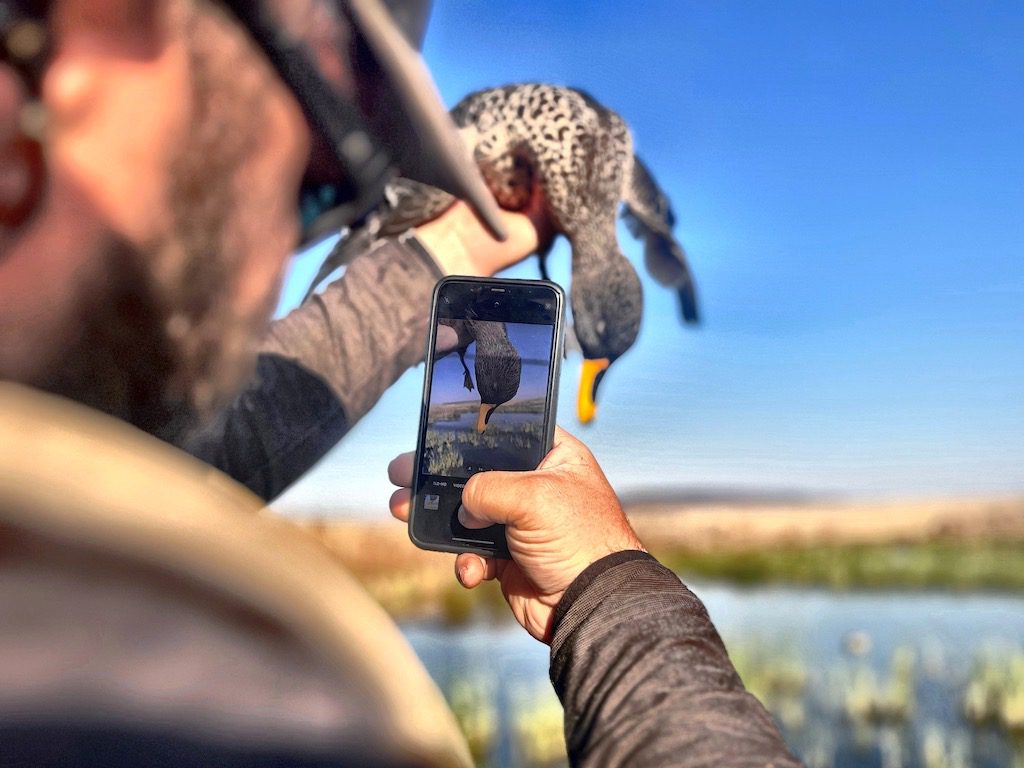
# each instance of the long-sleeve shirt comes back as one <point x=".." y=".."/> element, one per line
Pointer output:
<point x="321" y="368"/>
<point x="645" y="679"/>
<point x="640" y="669"/>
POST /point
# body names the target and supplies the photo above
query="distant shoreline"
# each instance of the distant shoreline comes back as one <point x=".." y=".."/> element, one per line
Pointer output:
<point x="747" y="525"/>
<point x="955" y="544"/>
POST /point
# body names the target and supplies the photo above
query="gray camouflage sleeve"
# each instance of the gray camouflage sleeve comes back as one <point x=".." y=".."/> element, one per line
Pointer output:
<point x="645" y="679"/>
<point x="321" y="368"/>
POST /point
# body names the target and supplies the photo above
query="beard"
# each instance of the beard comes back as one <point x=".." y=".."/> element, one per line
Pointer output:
<point x="159" y="349"/>
<point x="120" y="355"/>
<point x="164" y="347"/>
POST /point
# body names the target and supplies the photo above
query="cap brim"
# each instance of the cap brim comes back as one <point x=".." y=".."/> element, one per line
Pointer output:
<point x="412" y="121"/>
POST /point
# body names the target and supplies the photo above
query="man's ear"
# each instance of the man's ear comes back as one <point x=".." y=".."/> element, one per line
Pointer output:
<point x="87" y="35"/>
<point x="79" y="30"/>
<point x="116" y="98"/>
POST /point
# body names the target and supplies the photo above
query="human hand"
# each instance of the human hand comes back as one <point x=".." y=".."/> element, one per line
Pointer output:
<point x="559" y="519"/>
<point x="463" y="246"/>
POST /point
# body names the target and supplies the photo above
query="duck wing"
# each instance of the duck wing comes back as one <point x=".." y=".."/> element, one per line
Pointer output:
<point x="406" y="204"/>
<point x="410" y="204"/>
<point x="352" y="242"/>
<point x="649" y="216"/>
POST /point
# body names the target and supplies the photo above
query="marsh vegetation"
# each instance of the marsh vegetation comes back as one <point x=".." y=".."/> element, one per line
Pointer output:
<point x="869" y="653"/>
<point x="513" y="439"/>
<point x="855" y="680"/>
<point x="978" y="565"/>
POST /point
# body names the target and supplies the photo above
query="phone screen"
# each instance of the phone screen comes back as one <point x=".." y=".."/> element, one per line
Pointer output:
<point x="489" y="398"/>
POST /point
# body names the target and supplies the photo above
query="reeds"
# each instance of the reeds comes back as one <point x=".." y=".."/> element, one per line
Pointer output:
<point x="538" y="726"/>
<point x="444" y="447"/>
<point x="873" y="699"/>
<point x="995" y="691"/>
<point x="975" y="565"/>
<point x="472" y="701"/>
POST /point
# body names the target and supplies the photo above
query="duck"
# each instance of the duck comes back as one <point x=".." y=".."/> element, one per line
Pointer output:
<point x="498" y="367"/>
<point x="560" y="142"/>
<point x="498" y="364"/>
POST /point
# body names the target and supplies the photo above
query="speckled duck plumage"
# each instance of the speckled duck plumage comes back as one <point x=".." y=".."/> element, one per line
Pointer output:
<point x="578" y="155"/>
<point x="498" y="364"/>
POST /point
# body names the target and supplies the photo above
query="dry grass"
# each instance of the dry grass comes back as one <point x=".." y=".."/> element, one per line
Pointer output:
<point x="409" y="582"/>
<point x="958" y="543"/>
<point x="713" y="528"/>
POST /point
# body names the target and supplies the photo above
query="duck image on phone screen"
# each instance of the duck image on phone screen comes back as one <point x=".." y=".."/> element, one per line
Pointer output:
<point x="489" y="398"/>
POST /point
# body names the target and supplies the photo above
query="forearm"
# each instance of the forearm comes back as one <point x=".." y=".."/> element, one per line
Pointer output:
<point x="645" y="679"/>
<point x="323" y="367"/>
<point x="365" y="329"/>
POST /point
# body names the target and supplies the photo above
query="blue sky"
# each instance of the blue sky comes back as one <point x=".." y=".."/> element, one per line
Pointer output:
<point x="849" y="185"/>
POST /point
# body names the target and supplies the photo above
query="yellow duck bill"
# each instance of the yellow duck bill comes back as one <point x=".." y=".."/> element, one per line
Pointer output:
<point x="486" y="409"/>
<point x="590" y="377"/>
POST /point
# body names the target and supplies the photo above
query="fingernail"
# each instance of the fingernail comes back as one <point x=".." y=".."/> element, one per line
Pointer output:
<point x="463" y="573"/>
<point x="470" y="521"/>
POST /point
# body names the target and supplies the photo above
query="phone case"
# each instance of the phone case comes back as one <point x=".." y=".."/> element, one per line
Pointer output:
<point x="550" y="415"/>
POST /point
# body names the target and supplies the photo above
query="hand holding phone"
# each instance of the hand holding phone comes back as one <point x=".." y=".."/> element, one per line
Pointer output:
<point x="489" y="395"/>
<point x="558" y="520"/>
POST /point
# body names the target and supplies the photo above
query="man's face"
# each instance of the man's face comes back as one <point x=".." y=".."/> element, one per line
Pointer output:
<point x="231" y="187"/>
<point x="173" y="159"/>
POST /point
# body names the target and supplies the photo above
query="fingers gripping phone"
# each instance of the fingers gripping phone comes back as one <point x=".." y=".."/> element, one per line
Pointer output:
<point x="489" y="399"/>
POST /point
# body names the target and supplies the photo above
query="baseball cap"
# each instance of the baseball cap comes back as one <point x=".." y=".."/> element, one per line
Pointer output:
<point x="354" y="67"/>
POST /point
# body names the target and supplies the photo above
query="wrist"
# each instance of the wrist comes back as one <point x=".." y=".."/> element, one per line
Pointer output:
<point x="448" y="249"/>
<point x="461" y="246"/>
<point x="589" y="574"/>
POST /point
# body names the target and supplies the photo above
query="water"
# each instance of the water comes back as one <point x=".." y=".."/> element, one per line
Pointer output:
<point x="833" y="644"/>
<point x="467" y="421"/>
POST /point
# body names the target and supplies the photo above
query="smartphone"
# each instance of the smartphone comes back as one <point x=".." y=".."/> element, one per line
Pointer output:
<point x="490" y="387"/>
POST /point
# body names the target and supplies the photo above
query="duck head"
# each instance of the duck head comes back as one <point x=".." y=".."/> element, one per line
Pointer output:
<point x="606" y="309"/>
<point x="499" y="368"/>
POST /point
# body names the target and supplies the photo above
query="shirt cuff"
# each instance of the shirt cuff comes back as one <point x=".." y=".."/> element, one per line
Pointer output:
<point x="409" y="239"/>
<point x="588" y="576"/>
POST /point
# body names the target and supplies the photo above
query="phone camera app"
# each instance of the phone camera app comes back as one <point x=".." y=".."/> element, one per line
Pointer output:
<point x="431" y="501"/>
<point x="487" y="396"/>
